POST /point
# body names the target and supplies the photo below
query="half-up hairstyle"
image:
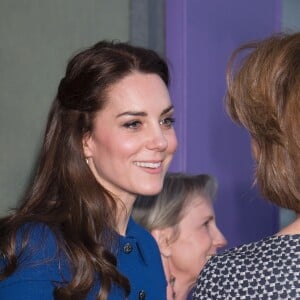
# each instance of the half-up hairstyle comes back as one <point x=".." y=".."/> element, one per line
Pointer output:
<point x="64" y="194"/>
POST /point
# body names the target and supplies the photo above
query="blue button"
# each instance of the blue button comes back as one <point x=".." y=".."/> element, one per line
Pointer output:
<point x="127" y="248"/>
<point x="142" y="295"/>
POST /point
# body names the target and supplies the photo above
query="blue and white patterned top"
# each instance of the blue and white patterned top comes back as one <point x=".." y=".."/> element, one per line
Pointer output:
<point x="267" y="269"/>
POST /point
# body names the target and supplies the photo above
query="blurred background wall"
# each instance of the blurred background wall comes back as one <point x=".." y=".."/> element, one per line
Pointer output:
<point x="200" y="36"/>
<point x="196" y="37"/>
<point x="205" y="35"/>
<point x="37" y="37"/>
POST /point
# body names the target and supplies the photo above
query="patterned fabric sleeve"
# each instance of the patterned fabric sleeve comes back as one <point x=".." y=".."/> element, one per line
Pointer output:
<point x="266" y="269"/>
<point x="207" y="282"/>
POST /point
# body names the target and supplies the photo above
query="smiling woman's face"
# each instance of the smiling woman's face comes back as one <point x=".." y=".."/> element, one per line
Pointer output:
<point x="133" y="140"/>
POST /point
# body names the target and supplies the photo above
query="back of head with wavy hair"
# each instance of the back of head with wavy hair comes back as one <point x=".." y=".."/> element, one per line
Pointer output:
<point x="64" y="194"/>
<point x="264" y="96"/>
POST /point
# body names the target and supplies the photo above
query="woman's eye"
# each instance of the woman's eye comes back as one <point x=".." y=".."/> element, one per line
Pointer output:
<point x="167" y="122"/>
<point x="206" y="223"/>
<point x="132" y="124"/>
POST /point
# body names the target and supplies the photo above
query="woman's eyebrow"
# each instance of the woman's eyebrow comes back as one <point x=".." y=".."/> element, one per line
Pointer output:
<point x="143" y="114"/>
<point x="132" y="113"/>
<point x="165" y="111"/>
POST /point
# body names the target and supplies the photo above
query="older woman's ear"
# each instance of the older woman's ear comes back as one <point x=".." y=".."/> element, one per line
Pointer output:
<point x="164" y="240"/>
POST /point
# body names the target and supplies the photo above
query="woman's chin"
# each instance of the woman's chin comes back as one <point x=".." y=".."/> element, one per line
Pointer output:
<point x="151" y="190"/>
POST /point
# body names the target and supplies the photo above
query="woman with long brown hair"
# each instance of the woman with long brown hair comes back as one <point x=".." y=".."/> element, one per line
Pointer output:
<point x="109" y="137"/>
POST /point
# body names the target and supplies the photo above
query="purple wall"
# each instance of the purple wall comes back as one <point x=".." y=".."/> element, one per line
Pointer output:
<point x="200" y="36"/>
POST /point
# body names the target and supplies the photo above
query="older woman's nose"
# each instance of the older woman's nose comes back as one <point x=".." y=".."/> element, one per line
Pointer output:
<point x="219" y="239"/>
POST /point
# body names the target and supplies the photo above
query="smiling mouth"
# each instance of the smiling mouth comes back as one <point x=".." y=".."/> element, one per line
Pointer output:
<point x="150" y="165"/>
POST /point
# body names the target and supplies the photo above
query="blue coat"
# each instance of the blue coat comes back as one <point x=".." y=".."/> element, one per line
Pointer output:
<point x="138" y="258"/>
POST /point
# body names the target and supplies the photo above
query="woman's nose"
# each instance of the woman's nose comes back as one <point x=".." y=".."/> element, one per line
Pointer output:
<point x="157" y="140"/>
<point x="219" y="239"/>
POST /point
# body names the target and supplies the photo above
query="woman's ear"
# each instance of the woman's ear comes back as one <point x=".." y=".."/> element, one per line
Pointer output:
<point x="86" y="144"/>
<point x="163" y="238"/>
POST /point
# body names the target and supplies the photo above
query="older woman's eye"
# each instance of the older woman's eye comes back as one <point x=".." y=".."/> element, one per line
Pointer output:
<point x="167" y="122"/>
<point x="132" y="124"/>
<point x="207" y="222"/>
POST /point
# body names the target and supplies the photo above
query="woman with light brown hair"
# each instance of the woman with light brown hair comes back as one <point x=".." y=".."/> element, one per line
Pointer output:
<point x="264" y="97"/>
<point x="182" y="220"/>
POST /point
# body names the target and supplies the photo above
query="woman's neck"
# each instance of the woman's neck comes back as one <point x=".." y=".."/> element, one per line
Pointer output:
<point x="177" y="291"/>
<point x="178" y="288"/>
<point x="293" y="228"/>
<point x="123" y="214"/>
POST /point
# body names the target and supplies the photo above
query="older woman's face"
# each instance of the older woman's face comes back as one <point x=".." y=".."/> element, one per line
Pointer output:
<point x="133" y="141"/>
<point x="198" y="240"/>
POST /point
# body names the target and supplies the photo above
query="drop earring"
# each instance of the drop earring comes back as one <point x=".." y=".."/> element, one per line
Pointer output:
<point x="172" y="284"/>
<point x="171" y="280"/>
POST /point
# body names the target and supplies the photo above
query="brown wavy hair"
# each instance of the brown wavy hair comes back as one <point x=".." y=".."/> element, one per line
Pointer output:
<point x="264" y="96"/>
<point x="64" y="194"/>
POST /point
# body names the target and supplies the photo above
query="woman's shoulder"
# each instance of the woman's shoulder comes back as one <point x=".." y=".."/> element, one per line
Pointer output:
<point x="233" y="269"/>
<point x="38" y="254"/>
<point x="39" y="267"/>
<point x="264" y="249"/>
<point x="39" y="239"/>
<point x="275" y="244"/>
